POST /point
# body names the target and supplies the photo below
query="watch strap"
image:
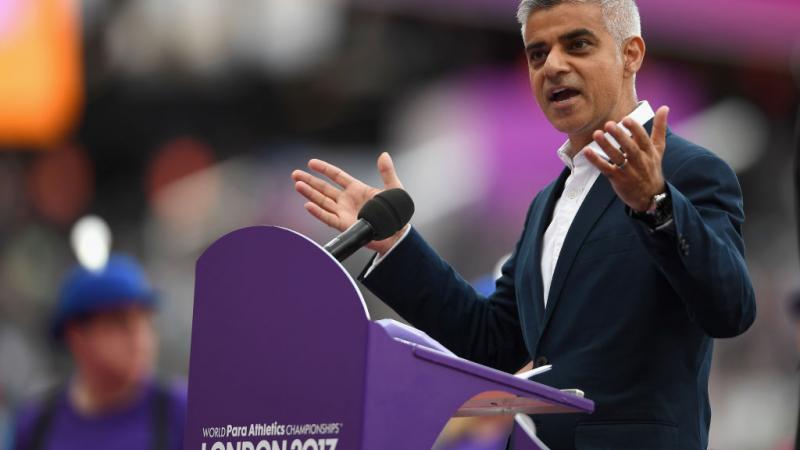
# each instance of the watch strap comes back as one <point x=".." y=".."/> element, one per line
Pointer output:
<point x="659" y="216"/>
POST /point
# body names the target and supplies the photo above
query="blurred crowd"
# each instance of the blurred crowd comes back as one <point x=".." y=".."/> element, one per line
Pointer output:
<point x="186" y="118"/>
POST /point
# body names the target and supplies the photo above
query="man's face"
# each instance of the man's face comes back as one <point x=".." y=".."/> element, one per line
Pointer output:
<point x="575" y="66"/>
<point x="117" y="346"/>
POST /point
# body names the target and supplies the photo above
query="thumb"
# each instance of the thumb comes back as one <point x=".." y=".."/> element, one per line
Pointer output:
<point x="659" y="135"/>
<point x="388" y="174"/>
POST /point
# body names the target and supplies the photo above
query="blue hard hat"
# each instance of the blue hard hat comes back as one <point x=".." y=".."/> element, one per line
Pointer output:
<point x="121" y="282"/>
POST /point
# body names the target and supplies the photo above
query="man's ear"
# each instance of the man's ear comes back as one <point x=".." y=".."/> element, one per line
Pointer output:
<point x="633" y="51"/>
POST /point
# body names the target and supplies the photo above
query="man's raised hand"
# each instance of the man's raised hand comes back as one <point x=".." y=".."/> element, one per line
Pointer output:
<point x="336" y="202"/>
<point x="635" y="169"/>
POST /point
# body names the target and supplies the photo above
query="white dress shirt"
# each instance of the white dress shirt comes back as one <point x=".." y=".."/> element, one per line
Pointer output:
<point x="577" y="186"/>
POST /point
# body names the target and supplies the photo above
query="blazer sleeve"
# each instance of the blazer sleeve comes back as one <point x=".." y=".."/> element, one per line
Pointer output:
<point x="425" y="290"/>
<point x="702" y="257"/>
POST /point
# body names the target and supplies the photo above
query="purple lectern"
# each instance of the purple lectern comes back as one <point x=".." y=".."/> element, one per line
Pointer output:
<point x="284" y="357"/>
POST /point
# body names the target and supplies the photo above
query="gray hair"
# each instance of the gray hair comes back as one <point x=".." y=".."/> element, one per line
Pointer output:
<point x="621" y="16"/>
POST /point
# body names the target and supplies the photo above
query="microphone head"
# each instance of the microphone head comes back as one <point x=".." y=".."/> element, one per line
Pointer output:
<point x="388" y="212"/>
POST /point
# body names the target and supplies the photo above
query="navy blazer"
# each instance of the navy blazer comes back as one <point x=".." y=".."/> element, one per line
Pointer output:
<point x="630" y="316"/>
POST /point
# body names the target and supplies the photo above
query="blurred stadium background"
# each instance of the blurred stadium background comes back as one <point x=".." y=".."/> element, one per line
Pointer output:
<point x="177" y="121"/>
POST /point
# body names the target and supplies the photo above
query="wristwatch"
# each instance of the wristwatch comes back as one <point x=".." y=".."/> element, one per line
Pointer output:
<point x="659" y="215"/>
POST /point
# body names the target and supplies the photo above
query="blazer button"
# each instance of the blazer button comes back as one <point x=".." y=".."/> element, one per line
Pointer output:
<point x="683" y="244"/>
<point x="541" y="361"/>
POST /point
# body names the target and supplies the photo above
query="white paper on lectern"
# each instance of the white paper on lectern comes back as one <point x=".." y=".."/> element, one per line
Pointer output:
<point x="533" y="372"/>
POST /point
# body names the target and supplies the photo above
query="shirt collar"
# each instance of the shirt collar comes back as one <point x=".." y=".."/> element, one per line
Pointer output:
<point x="641" y="115"/>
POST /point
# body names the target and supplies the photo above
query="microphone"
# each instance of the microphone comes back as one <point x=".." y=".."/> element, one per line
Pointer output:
<point x="379" y="218"/>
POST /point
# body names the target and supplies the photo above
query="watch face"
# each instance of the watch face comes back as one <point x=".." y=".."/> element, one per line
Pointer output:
<point x="660" y="214"/>
<point x="663" y="210"/>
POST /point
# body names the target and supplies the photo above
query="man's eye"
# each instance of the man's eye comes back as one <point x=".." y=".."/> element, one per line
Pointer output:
<point x="538" y="55"/>
<point x="580" y="44"/>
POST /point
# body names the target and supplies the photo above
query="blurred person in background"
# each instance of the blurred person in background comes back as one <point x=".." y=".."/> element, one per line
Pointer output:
<point x="640" y="249"/>
<point x="104" y="318"/>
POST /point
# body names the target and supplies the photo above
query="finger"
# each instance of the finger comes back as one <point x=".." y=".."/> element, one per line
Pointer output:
<point x="334" y="173"/>
<point x="616" y="156"/>
<point x="298" y="175"/>
<point x="321" y="185"/>
<point x="630" y="148"/>
<point x="606" y="168"/>
<point x="387" y="171"/>
<point x="639" y="134"/>
<point x="315" y="196"/>
<point x="323" y="216"/>
<point x="659" y="136"/>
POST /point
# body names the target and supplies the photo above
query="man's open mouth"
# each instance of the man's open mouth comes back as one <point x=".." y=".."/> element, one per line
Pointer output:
<point x="563" y="94"/>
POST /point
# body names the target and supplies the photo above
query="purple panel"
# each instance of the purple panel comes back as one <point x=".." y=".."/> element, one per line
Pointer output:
<point x="413" y="390"/>
<point x="278" y="339"/>
<point x="558" y="400"/>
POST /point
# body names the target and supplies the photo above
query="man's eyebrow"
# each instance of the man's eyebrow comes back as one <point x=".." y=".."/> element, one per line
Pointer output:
<point x="581" y="32"/>
<point x="574" y="34"/>
<point x="534" y="46"/>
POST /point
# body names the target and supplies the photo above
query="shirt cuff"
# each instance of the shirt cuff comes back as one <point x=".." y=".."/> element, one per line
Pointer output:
<point x="378" y="258"/>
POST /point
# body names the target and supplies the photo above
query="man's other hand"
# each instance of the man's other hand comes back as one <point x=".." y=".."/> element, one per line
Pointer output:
<point x="635" y="170"/>
<point x="337" y="204"/>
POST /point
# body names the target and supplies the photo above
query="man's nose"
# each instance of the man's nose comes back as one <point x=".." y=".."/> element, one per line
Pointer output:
<point x="556" y="64"/>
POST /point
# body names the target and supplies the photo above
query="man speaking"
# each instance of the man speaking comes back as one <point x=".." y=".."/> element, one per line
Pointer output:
<point x="629" y="263"/>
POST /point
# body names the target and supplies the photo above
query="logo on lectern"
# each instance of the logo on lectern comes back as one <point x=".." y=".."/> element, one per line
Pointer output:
<point x="313" y="436"/>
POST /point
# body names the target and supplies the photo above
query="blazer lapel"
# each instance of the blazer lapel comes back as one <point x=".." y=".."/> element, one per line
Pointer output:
<point x="540" y="220"/>
<point x="597" y="201"/>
